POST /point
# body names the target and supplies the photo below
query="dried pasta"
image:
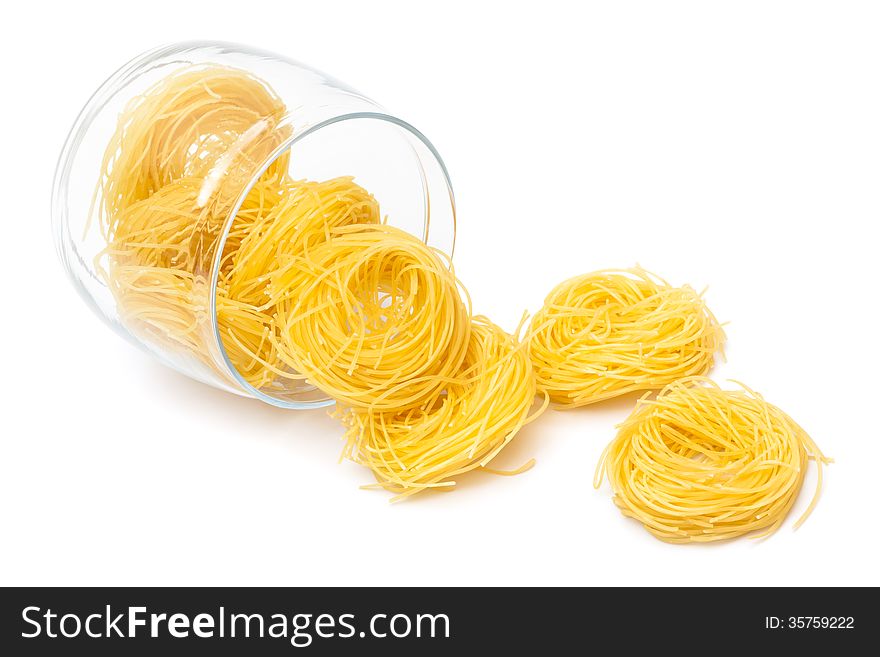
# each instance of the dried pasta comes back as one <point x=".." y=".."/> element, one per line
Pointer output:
<point x="461" y="428"/>
<point x="182" y="153"/>
<point x="254" y="296"/>
<point x="213" y="123"/>
<point x="313" y="286"/>
<point x="700" y="464"/>
<point x="373" y="317"/>
<point x="611" y="332"/>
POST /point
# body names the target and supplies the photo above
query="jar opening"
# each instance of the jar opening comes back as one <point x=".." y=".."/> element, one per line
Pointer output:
<point x="389" y="159"/>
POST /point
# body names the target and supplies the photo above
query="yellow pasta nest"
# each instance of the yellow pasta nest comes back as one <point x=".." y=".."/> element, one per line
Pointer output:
<point x="155" y="262"/>
<point x="213" y="123"/>
<point x="611" y="332"/>
<point x="252" y="294"/>
<point x="182" y="154"/>
<point x="461" y="428"/>
<point x="701" y="464"/>
<point x="162" y="288"/>
<point x="373" y="317"/>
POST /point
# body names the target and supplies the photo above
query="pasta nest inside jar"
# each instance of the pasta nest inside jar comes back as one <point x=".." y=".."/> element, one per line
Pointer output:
<point x="701" y="464"/>
<point x="208" y="122"/>
<point x="608" y="333"/>
<point x="373" y="317"/>
<point x="252" y="299"/>
<point x="182" y="154"/>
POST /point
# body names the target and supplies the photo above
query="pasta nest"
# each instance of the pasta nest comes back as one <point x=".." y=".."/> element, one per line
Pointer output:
<point x="462" y="428"/>
<point x="374" y="318"/>
<point x="701" y="464"/>
<point x="607" y="333"/>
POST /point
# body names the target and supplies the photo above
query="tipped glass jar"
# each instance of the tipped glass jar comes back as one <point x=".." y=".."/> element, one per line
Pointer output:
<point x="190" y="175"/>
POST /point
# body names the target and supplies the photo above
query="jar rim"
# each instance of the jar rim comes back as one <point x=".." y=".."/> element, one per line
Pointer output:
<point x="283" y="148"/>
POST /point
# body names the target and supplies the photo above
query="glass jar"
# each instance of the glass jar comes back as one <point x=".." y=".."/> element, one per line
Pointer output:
<point x="298" y="123"/>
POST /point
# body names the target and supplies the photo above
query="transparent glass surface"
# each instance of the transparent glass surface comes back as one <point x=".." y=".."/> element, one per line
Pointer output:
<point x="326" y="130"/>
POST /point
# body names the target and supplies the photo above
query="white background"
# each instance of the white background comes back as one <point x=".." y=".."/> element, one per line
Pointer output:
<point x="735" y="145"/>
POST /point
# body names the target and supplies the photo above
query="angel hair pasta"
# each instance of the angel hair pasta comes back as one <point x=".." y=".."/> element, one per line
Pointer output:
<point x="204" y="122"/>
<point x="253" y="298"/>
<point x="228" y="267"/>
<point x="461" y="428"/>
<point x="373" y="317"/>
<point x="700" y="464"/>
<point x="310" y="283"/>
<point x="611" y="332"/>
<point x="182" y="152"/>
